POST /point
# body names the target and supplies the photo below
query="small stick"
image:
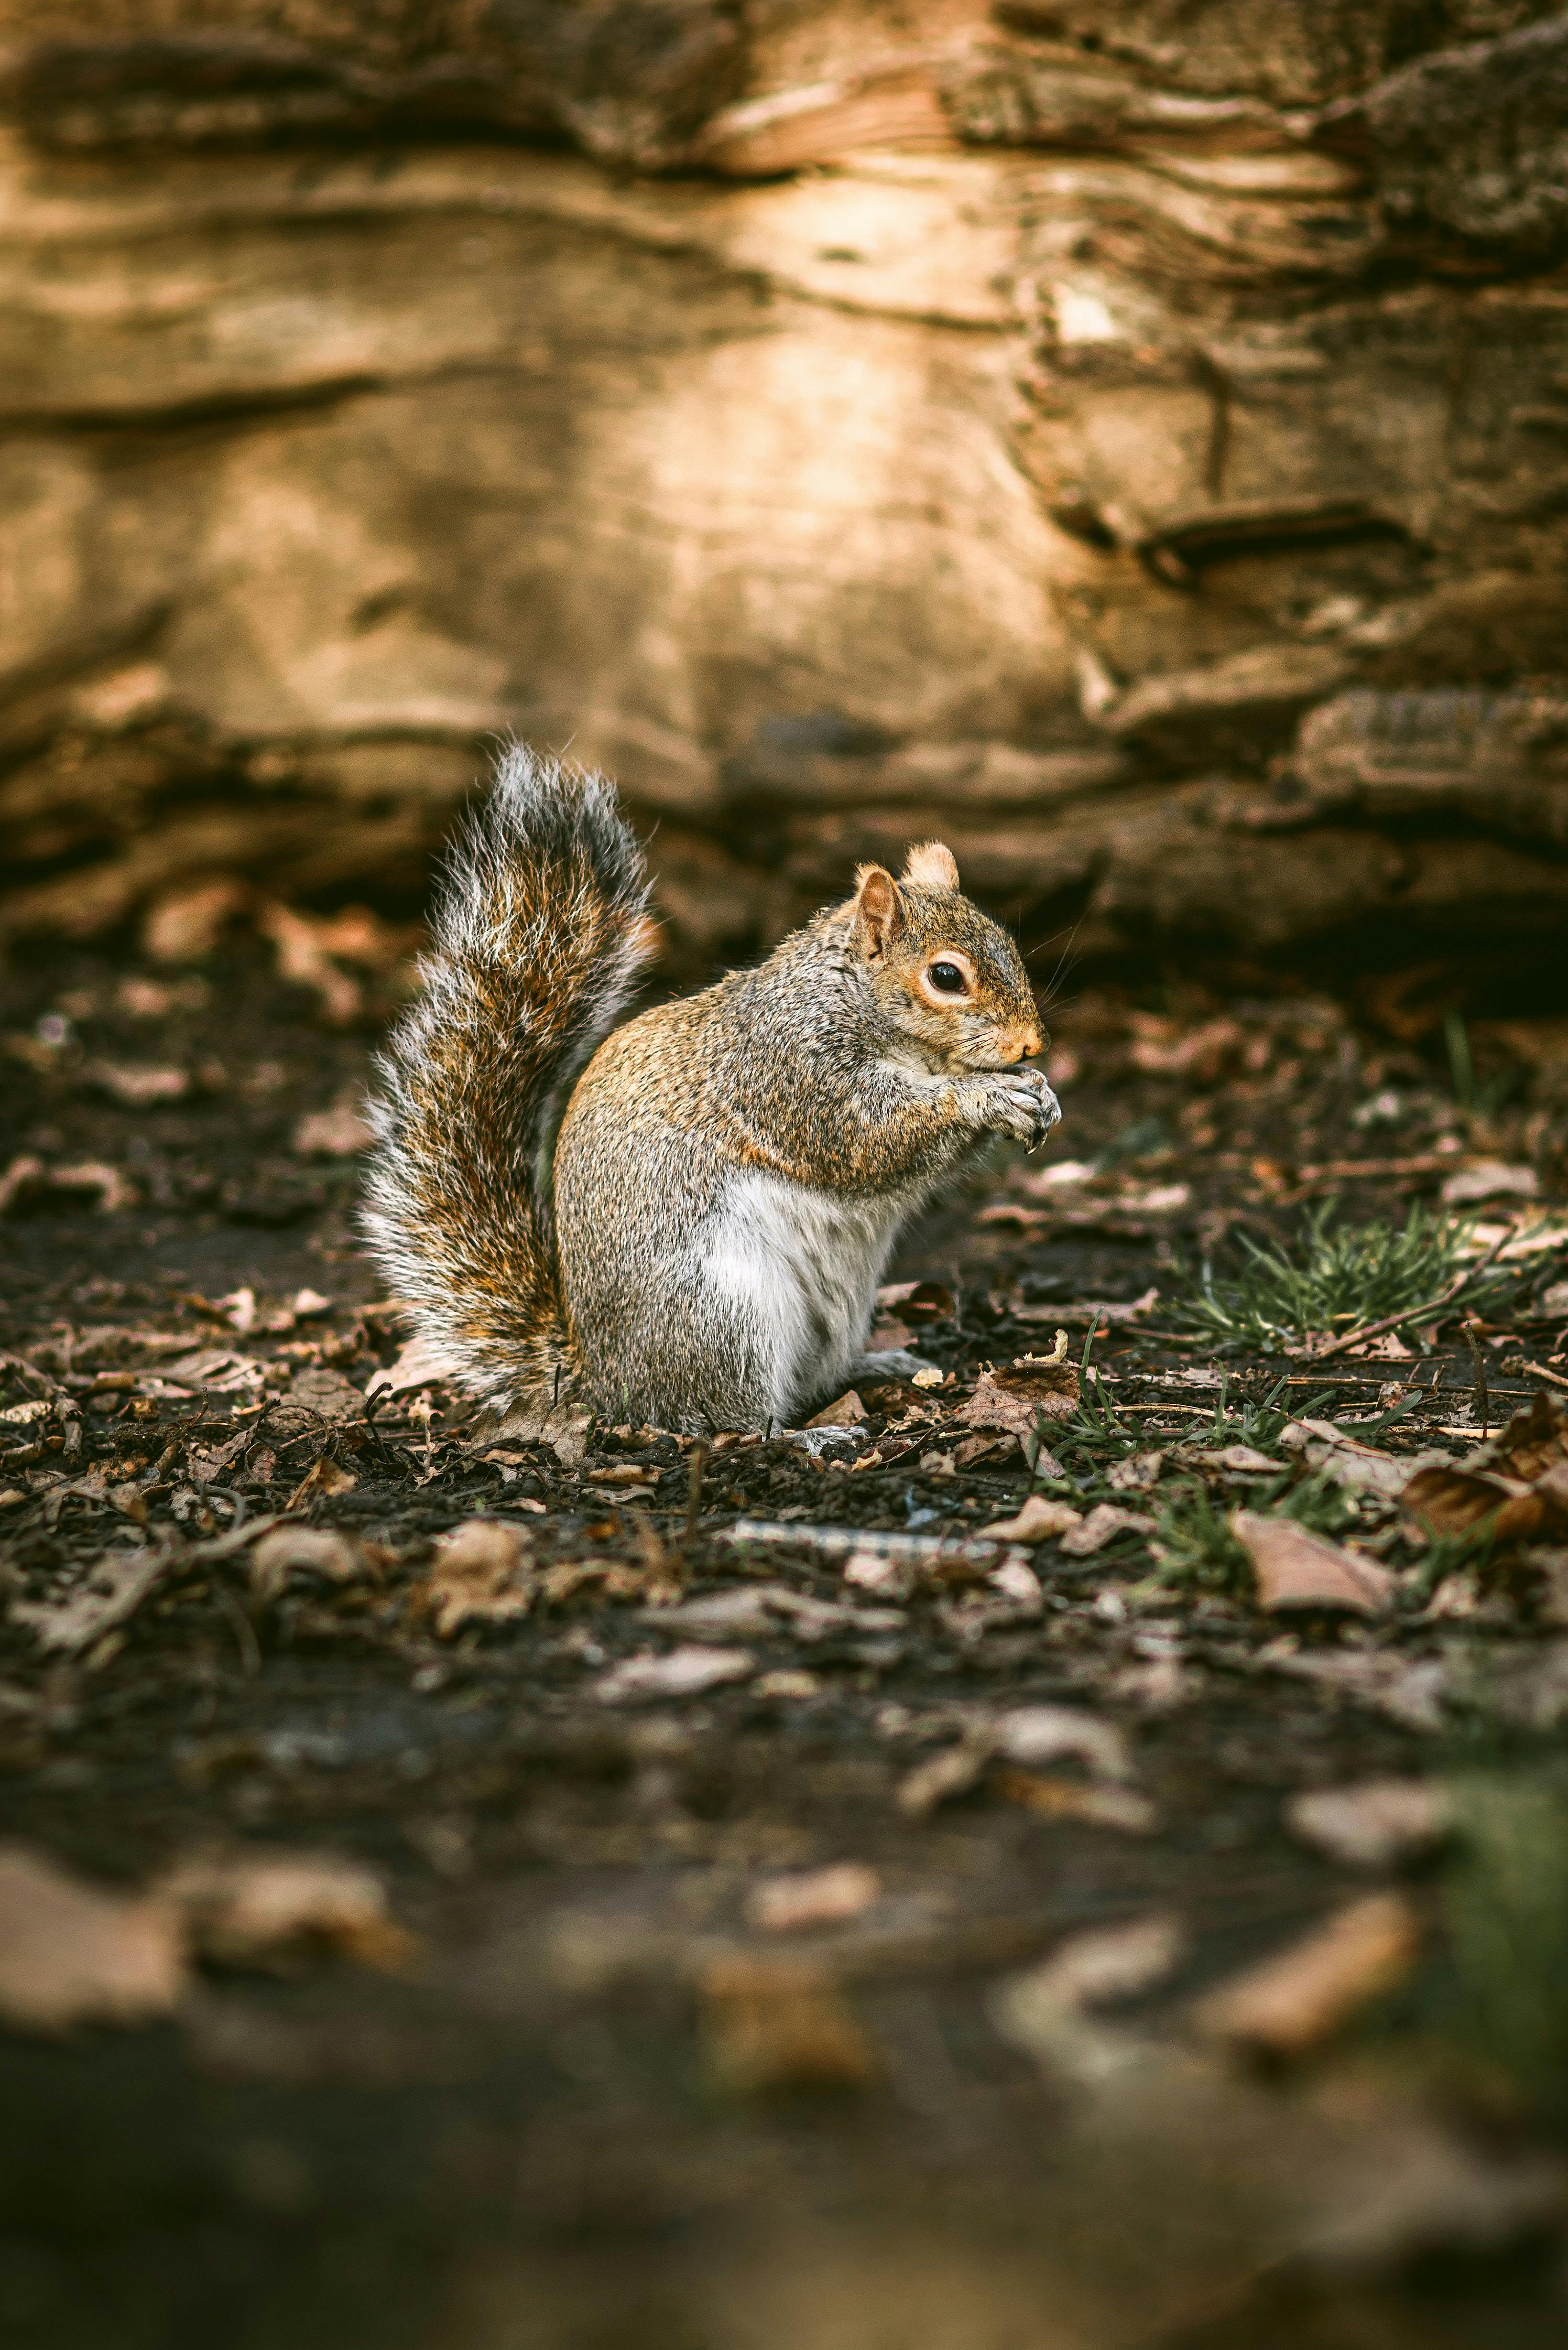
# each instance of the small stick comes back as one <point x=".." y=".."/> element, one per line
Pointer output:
<point x="694" y="1488"/>
<point x="1418" y="1312"/>
<point x="1477" y="1358"/>
<point x="1542" y="1373"/>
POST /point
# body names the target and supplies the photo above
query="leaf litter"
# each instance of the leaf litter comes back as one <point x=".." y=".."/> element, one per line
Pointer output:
<point x="1029" y="1530"/>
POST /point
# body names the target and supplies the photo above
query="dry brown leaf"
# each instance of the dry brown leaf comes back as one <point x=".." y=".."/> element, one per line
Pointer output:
<point x="1299" y="1997"/>
<point x="1437" y="1502"/>
<point x="848" y="1412"/>
<point x="684" y="1672"/>
<point x="1038" y="1520"/>
<point x="816" y="1897"/>
<point x="1533" y="1441"/>
<point x="916" y="1301"/>
<point x="137" y="1087"/>
<point x="1294" y="1569"/>
<point x="114" y="1588"/>
<point x="1103" y="1524"/>
<point x="289" y="1551"/>
<point x="1048" y="1733"/>
<point x="251" y="1908"/>
<point x="1044" y="2009"/>
<point x="480" y="1572"/>
<point x="321" y="1480"/>
<point x="335" y="1133"/>
<point x="185" y="924"/>
<point x="1373" y="1824"/>
<point x="305" y="950"/>
<point x="71" y="1954"/>
<point x="771" y="2023"/>
<point x="1023" y="1393"/>
<point x="995" y="1449"/>
<point x="1137" y="1474"/>
<point x="1067" y="1799"/>
<point x="942" y="1776"/>
<point x="421" y="1363"/>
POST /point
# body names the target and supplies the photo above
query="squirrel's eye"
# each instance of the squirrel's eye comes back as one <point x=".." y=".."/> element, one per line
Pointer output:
<point x="947" y="977"/>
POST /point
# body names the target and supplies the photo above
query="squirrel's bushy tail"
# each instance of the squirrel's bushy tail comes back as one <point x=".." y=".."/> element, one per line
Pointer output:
<point x="540" y="932"/>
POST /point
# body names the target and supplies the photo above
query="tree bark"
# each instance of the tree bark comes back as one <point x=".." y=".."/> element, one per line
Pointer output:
<point x="1127" y="436"/>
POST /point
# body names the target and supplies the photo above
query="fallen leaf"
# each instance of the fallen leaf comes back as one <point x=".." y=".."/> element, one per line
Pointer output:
<point x="816" y="1897"/>
<point x="620" y="1472"/>
<point x="1105" y="1522"/>
<point x="1016" y="1581"/>
<point x="1066" y="1799"/>
<point x="684" y="1672"/>
<point x="1489" y="1178"/>
<point x="1303" y="1995"/>
<point x="71" y="1954"/>
<point x="1293" y="1568"/>
<point x="1043" y="2010"/>
<point x="1439" y="1501"/>
<point x="480" y="1572"/>
<point x="137" y="1087"/>
<point x="771" y="2023"/>
<point x="114" y="1588"/>
<point x="1534" y="1440"/>
<point x="1038" y="1520"/>
<point x="1137" y="1474"/>
<point x="321" y="1480"/>
<point x="952" y="1771"/>
<point x="1246" y="1460"/>
<point x="848" y="1412"/>
<point x="185" y="924"/>
<point x="289" y="1551"/>
<point x="1046" y="1733"/>
<point x="1024" y="1392"/>
<point x="1373" y="1824"/>
<point x="1409" y="1691"/>
<point x="218" y="1369"/>
<point x="916" y="1301"/>
<point x="249" y="1909"/>
<point x="997" y="1449"/>
<point x="1200" y="1054"/>
<point x="304" y="955"/>
<point x="335" y="1133"/>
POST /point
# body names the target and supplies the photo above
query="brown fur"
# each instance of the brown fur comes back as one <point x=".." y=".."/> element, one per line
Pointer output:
<point x="838" y="1069"/>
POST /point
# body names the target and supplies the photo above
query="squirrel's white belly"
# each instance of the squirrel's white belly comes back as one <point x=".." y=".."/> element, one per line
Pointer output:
<point x="801" y="1266"/>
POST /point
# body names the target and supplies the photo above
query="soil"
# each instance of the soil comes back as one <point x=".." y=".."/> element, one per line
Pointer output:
<point x="568" y="2113"/>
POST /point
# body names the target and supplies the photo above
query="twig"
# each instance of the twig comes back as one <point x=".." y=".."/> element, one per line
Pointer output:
<point x="1418" y="1312"/>
<point x="1479" y="1359"/>
<point x="1542" y="1373"/>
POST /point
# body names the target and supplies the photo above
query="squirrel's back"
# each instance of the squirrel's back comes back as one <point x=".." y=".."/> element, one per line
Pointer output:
<point x="539" y="933"/>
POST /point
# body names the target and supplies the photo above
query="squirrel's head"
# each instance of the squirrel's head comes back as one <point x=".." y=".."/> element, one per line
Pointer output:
<point x="948" y="977"/>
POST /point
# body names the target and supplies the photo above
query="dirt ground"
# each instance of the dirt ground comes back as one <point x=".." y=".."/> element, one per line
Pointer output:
<point x="583" y="2044"/>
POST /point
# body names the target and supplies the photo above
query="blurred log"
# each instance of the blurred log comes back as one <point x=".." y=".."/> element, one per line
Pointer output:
<point x="1131" y="439"/>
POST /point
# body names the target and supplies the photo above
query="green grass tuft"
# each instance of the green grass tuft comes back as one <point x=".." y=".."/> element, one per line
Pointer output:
<point x="1334" y="1277"/>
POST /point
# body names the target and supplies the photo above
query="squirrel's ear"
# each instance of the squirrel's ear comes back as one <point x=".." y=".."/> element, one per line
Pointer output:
<point x="877" y="906"/>
<point x="933" y="863"/>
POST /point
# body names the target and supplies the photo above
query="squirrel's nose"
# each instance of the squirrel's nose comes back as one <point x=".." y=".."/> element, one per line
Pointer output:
<point x="1028" y="1042"/>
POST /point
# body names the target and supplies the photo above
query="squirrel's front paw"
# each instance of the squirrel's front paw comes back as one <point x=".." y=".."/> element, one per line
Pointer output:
<point x="1018" y="1102"/>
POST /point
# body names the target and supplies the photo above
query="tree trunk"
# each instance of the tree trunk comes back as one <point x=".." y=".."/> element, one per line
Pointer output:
<point x="1129" y="437"/>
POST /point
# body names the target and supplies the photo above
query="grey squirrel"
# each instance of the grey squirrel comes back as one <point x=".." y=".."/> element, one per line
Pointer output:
<point x="682" y="1221"/>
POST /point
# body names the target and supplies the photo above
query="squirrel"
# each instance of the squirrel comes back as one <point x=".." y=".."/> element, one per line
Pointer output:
<point x="682" y="1220"/>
